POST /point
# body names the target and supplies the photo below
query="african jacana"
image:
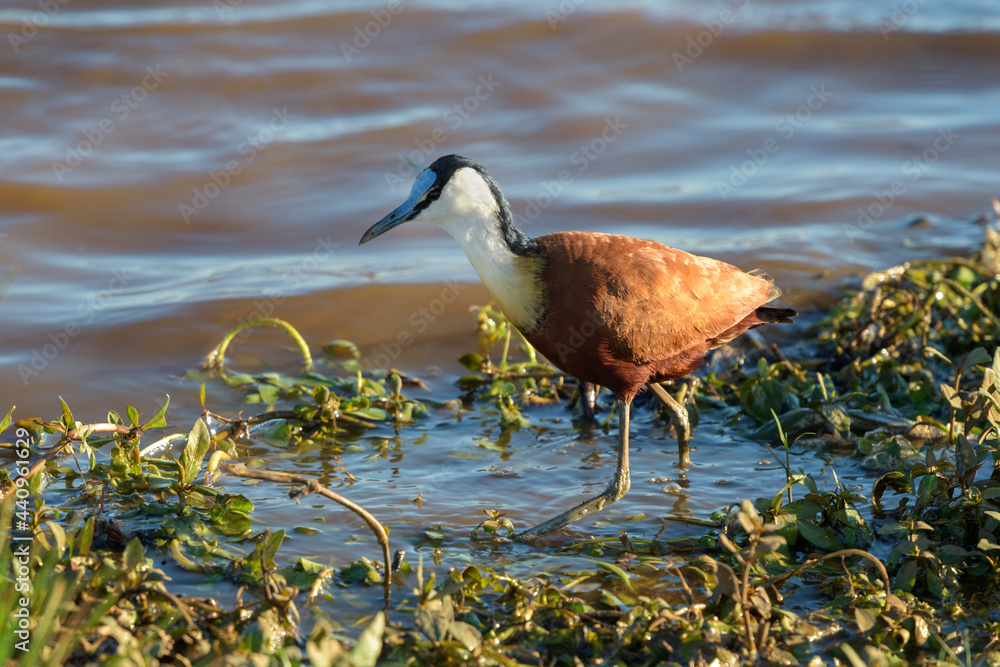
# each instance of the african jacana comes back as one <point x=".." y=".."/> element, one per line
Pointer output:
<point x="620" y="312"/>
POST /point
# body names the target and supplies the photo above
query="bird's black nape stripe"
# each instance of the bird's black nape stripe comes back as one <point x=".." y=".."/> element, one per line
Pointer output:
<point x="518" y="242"/>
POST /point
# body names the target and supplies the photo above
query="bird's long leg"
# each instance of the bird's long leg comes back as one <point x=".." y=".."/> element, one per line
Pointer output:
<point x="617" y="488"/>
<point x="588" y="398"/>
<point x="681" y="423"/>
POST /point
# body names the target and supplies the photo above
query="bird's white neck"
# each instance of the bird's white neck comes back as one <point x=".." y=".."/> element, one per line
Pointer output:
<point x="468" y="210"/>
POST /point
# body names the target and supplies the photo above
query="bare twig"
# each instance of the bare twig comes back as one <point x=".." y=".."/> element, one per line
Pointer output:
<point x="745" y="595"/>
<point x="238" y="427"/>
<point x="321" y="580"/>
<point x="46" y="457"/>
<point x="75" y="434"/>
<point x="840" y="554"/>
<point x="177" y="602"/>
<point x="316" y="487"/>
<point x="687" y="590"/>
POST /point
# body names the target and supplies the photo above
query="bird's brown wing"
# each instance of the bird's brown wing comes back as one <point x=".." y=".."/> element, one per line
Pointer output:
<point x="654" y="301"/>
<point x="665" y="301"/>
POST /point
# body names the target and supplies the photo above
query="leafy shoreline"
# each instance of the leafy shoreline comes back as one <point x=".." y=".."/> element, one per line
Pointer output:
<point x="903" y="379"/>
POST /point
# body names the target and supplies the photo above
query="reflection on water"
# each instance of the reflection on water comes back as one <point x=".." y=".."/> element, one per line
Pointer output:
<point x="172" y="169"/>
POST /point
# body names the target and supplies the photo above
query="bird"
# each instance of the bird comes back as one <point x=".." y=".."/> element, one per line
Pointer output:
<point x="616" y="311"/>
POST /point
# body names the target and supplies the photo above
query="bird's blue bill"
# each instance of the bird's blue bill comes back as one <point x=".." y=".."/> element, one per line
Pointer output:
<point x="420" y="187"/>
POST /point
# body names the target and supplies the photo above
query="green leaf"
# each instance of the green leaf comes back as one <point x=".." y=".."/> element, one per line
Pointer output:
<point x="611" y="600"/>
<point x="617" y="571"/>
<point x="770" y="543"/>
<point x="230" y="515"/>
<point x="727" y="583"/>
<point x="906" y="576"/>
<point x="837" y="417"/>
<point x="819" y="536"/>
<point x="322" y="648"/>
<point x="930" y="351"/>
<point x="134" y="554"/>
<point x="951" y="553"/>
<point x="435" y="619"/>
<point x="985" y="393"/>
<point x="985" y="545"/>
<point x="471" y="381"/>
<point x="810" y="484"/>
<point x="133" y="415"/>
<point x="781" y="433"/>
<point x="321" y="394"/>
<point x="269" y="547"/>
<point x="68" y="420"/>
<point x="159" y="420"/>
<point x="84" y="538"/>
<point x="935" y="586"/>
<point x="366" y="652"/>
<point x="760" y="397"/>
<point x="359" y="571"/>
<point x="342" y="349"/>
<point x="372" y="414"/>
<point x="486" y="443"/>
<point x="865" y="620"/>
<point x="6" y="420"/>
<point x="58" y="535"/>
<point x="510" y="415"/>
<point x="194" y="453"/>
<point x="748" y="517"/>
<point x="975" y="357"/>
<point x="967" y="460"/>
<point x="472" y="361"/>
<point x="728" y="544"/>
<point x="927" y="488"/>
<point x="309" y="566"/>
<point x="897" y="481"/>
<point x="950" y="395"/>
<point x="395" y="384"/>
<point x="852" y="655"/>
<point x="466" y="634"/>
<point x="965" y="277"/>
<point x="269" y="394"/>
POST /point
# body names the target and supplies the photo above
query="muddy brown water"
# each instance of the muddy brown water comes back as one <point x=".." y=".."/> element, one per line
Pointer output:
<point x="170" y="169"/>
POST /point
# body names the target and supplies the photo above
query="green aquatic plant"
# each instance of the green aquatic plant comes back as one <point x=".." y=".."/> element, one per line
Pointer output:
<point x="508" y="385"/>
<point x="900" y="398"/>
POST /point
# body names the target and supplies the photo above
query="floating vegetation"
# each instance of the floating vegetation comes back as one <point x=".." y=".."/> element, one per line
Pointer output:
<point x="903" y="381"/>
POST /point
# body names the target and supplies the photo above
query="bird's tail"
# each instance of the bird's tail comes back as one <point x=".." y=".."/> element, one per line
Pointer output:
<point x="763" y="315"/>
<point x="772" y="315"/>
<point x="775" y="290"/>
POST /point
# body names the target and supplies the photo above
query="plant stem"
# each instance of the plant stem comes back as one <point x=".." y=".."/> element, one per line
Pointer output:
<point x="216" y="358"/>
<point x="745" y="596"/>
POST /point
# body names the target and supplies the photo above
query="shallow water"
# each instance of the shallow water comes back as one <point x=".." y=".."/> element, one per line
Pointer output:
<point x="172" y="169"/>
